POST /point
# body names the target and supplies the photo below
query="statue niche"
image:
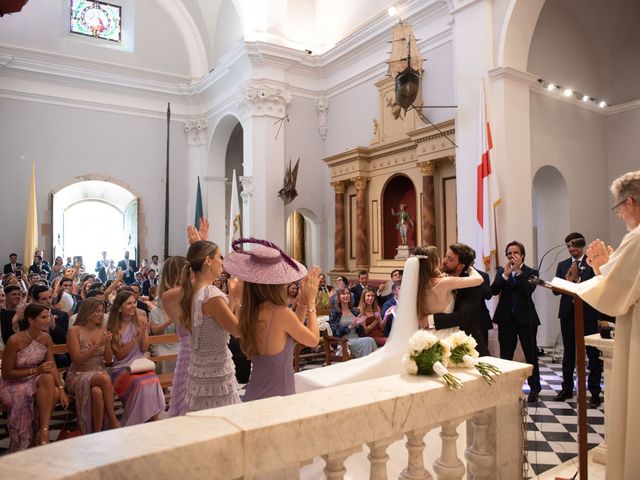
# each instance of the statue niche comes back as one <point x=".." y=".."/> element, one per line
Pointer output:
<point x="398" y="191"/>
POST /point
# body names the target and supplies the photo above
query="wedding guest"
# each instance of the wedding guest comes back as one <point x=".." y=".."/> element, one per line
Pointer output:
<point x="369" y="316"/>
<point x="292" y="295"/>
<point x="344" y="322"/>
<point x="208" y="314"/>
<point x="30" y="385"/>
<point x="140" y="393"/>
<point x="89" y="345"/>
<point x="268" y="326"/>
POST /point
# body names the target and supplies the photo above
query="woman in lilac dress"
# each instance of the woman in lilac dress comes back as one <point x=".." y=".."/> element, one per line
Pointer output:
<point x="30" y="385"/>
<point x="87" y="379"/>
<point x="140" y="393"/>
<point x="268" y="328"/>
<point x="171" y="270"/>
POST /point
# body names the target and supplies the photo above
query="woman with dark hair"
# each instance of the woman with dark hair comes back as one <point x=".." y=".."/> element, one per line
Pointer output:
<point x="87" y="379"/>
<point x="344" y="322"/>
<point x="140" y="393"/>
<point x="206" y="312"/>
<point x="57" y="269"/>
<point x="29" y="373"/>
<point x="268" y="327"/>
<point x="435" y="288"/>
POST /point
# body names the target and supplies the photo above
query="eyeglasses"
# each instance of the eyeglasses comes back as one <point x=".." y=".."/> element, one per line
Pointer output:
<point x="615" y="207"/>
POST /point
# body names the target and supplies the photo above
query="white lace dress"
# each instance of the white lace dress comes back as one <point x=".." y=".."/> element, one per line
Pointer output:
<point x="211" y="378"/>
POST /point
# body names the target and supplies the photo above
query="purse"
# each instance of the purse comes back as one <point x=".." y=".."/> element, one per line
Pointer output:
<point x="140" y="365"/>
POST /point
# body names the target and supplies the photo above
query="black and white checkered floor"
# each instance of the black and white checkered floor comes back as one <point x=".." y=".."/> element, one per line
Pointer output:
<point x="551" y="426"/>
<point x="552" y="430"/>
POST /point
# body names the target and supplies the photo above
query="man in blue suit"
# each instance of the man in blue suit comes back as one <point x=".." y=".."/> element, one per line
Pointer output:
<point x="575" y="269"/>
<point x="516" y="314"/>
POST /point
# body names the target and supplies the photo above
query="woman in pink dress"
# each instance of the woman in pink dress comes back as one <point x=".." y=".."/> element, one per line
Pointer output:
<point x="87" y="378"/>
<point x="140" y="393"/>
<point x="30" y="385"/>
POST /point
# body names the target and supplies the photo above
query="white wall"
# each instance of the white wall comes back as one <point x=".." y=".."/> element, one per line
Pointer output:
<point x="67" y="142"/>
<point x="573" y="140"/>
<point x="43" y="25"/>
<point x="623" y="147"/>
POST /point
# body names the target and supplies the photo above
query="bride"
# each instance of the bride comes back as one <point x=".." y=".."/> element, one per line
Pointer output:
<point x="436" y="289"/>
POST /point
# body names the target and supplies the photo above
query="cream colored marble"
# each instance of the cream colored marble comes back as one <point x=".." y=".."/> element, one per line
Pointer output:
<point x="254" y="439"/>
<point x="605" y="345"/>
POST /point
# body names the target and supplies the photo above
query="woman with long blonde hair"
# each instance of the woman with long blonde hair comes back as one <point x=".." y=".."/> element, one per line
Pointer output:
<point x="268" y="327"/>
<point x="140" y="393"/>
<point x="87" y="379"/>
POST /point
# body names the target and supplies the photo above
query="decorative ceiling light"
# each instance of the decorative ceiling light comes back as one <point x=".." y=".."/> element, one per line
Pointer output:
<point x="568" y="92"/>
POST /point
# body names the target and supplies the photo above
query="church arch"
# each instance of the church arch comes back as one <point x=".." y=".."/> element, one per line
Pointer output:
<point x="93" y="213"/>
<point x="517" y="32"/>
<point x="551" y="223"/>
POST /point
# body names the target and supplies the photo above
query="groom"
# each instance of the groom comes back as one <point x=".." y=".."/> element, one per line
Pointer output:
<point x="470" y="310"/>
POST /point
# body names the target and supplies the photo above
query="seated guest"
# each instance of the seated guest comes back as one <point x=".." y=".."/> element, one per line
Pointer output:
<point x="30" y="380"/>
<point x="369" y="316"/>
<point x="58" y="321"/>
<point x="140" y="304"/>
<point x="62" y="298"/>
<point x="341" y="282"/>
<point x="151" y="281"/>
<point x="140" y="393"/>
<point x="57" y="269"/>
<point x="385" y="292"/>
<point x="344" y="323"/>
<point x="324" y="292"/>
<point x="87" y="378"/>
<point x="389" y="310"/>
<point x="12" y="300"/>
<point x="292" y="295"/>
<point x="85" y="285"/>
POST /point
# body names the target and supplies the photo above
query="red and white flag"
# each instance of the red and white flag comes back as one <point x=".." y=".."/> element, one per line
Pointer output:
<point x="488" y="194"/>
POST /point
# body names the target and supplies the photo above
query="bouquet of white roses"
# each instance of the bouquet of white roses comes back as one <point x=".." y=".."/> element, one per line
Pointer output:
<point x="463" y="354"/>
<point x="427" y="355"/>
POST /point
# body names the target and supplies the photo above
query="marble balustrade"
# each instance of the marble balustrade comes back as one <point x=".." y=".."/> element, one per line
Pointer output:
<point x="273" y="438"/>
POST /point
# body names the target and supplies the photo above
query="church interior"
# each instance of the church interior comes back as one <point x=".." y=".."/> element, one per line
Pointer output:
<point x="187" y="95"/>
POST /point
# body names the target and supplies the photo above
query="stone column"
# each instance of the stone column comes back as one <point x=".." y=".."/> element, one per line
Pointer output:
<point x="196" y="132"/>
<point x="428" y="202"/>
<point x="264" y="157"/>
<point x="340" y="250"/>
<point x="362" y="257"/>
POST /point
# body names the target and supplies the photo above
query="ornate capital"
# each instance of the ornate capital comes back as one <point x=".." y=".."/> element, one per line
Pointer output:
<point x="247" y="188"/>
<point x="263" y="99"/>
<point x="360" y="182"/>
<point x="196" y="131"/>
<point x="428" y="168"/>
<point x="322" y="105"/>
<point x="338" y="187"/>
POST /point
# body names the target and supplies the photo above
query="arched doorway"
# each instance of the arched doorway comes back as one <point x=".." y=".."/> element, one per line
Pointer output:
<point x="226" y="155"/>
<point x="91" y="216"/>
<point x="399" y="190"/>
<point x="551" y="224"/>
<point x="303" y="237"/>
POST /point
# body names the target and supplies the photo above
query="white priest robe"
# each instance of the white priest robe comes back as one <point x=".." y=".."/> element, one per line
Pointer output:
<point x="616" y="292"/>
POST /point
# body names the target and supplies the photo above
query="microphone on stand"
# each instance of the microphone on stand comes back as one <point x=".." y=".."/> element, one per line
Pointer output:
<point x="575" y="243"/>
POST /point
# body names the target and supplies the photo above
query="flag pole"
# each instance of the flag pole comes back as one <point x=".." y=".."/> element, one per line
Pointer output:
<point x="166" y="189"/>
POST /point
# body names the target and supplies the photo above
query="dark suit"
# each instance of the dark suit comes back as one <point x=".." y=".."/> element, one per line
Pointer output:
<point x="101" y="270"/>
<point x="129" y="275"/>
<point x="470" y="313"/>
<point x="568" y="330"/>
<point x="147" y="284"/>
<point x="9" y="269"/>
<point x="387" y="305"/>
<point x="516" y="317"/>
<point x="356" y="292"/>
<point x="59" y="336"/>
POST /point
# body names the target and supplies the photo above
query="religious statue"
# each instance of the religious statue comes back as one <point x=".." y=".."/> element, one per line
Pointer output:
<point x="404" y="222"/>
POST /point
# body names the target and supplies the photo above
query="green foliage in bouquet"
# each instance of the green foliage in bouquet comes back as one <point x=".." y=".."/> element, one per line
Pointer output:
<point x="425" y="359"/>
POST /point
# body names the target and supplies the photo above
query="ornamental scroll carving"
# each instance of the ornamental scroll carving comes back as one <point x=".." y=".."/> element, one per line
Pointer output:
<point x="196" y="131"/>
<point x="265" y="99"/>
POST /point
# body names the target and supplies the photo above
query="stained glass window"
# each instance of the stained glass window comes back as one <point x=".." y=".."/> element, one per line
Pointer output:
<point x="96" y="19"/>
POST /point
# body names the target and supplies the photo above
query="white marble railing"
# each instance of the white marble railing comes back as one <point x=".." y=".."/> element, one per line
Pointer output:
<point x="273" y="438"/>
